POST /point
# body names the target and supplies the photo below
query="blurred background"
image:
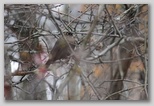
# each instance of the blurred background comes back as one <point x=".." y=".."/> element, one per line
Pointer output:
<point x="76" y="51"/>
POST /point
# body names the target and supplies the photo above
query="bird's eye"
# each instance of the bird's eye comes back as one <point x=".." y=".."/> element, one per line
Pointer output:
<point x="69" y="33"/>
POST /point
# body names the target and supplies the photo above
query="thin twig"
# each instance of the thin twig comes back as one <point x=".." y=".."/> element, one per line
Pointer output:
<point x="92" y="86"/>
<point x="106" y="50"/>
<point x="121" y="91"/>
<point x="125" y="80"/>
<point x="120" y="35"/>
<point x="57" y="26"/>
<point x="93" y="25"/>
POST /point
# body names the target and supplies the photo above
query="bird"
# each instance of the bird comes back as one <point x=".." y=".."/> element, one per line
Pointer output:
<point x="61" y="49"/>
